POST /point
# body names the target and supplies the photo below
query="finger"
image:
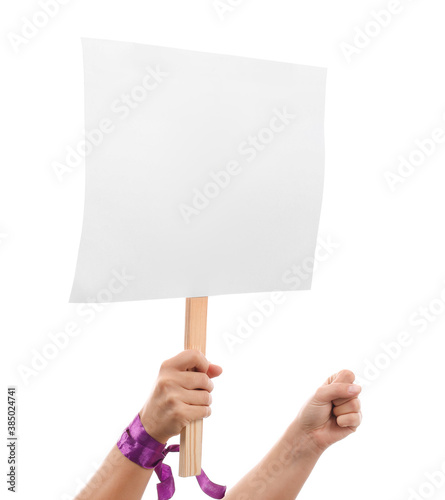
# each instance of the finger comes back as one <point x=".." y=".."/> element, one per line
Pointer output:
<point x="345" y="376"/>
<point x="196" y="398"/>
<point x="214" y="371"/>
<point x="196" y="412"/>
<point x="352" y="406"/>
<point x="190" y="359"/>
<point x="334" y="391"/>
<point x="195" y="380"/>
<point x="349" y="420"/>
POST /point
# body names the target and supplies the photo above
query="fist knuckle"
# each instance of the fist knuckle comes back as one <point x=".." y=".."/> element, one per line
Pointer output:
<point x="202" y="381"/>
<point x="195" y="380"/>
<point x="195" y="355"/>
<point x="206" y="398"/>
<point x="207" y="384"/>
<point x="169" y="388"/>
<point x="171" y="400"/>
<point x="162" y="383"/>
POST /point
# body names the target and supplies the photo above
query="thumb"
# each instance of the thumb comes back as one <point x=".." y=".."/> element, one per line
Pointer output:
<point x="214" y="371"/>
<point x="345" y="376"/>
<point x="336" y="390"/>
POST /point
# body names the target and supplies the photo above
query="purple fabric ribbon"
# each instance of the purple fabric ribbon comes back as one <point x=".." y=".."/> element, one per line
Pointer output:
<point x="139" y="447"/>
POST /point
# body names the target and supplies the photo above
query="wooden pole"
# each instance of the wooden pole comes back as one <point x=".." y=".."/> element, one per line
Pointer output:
<point x="194" y="338"/>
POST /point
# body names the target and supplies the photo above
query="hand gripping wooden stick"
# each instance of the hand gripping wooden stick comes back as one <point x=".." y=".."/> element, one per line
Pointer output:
<point x="195" y="338"/>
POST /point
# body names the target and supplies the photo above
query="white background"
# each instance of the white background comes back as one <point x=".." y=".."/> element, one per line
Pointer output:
<point x="388" y="261"/>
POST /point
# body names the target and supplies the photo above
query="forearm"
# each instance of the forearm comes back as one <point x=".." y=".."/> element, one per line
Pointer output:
<point x="181" y="395"/>
<point x="282" y="472"/>
<point x="116" y="479"/>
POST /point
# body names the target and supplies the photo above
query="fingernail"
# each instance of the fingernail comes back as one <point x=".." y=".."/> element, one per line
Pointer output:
<point x="354" y="389"/>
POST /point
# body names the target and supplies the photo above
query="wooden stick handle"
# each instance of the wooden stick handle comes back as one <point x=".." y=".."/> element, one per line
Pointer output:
<point x="195" y="338"/>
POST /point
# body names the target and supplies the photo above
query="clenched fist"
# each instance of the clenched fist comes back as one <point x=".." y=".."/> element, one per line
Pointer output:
<point x="180" y="396"/>
<point x="333" y="412"/>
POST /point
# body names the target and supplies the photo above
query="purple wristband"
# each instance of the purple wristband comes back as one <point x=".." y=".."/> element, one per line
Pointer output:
<point x="139" y="447"/>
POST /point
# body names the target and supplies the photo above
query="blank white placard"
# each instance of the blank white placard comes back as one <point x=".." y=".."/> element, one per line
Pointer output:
<point x="204" y="173"/>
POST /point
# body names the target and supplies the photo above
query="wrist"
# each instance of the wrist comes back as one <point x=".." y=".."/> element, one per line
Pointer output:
<point x="153" y="430"/>
<point x="302" y="443"/>
<point x="140" y="447"/>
